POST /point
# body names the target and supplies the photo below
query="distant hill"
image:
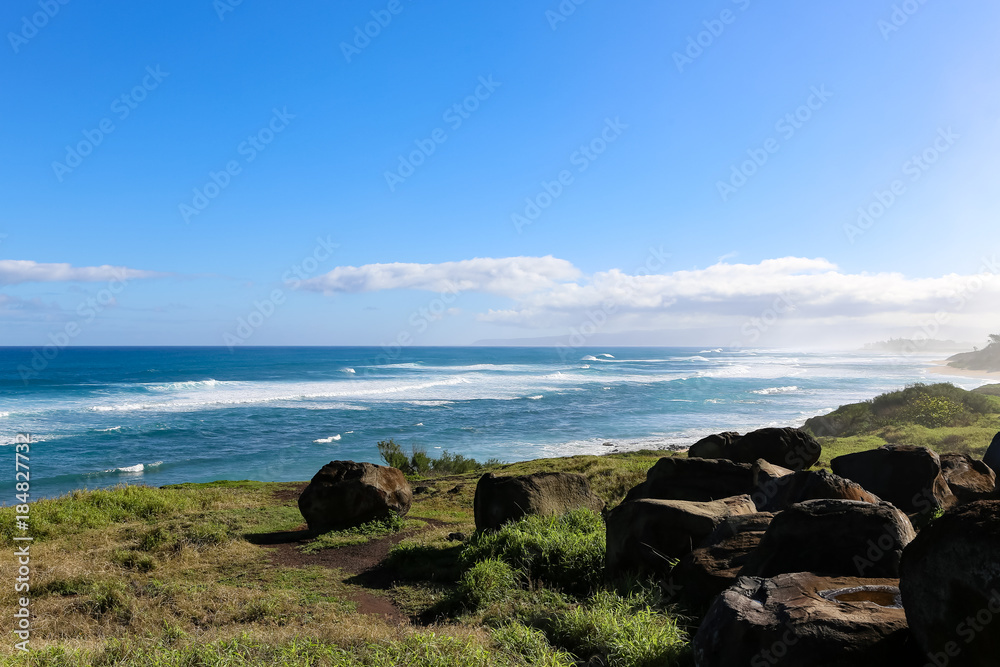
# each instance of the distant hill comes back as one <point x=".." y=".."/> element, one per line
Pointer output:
<point x="909" y="346"/>
<point x="986" y="359"/>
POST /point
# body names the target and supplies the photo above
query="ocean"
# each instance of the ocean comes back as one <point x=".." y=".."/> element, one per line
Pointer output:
<point x="106" y="416"/>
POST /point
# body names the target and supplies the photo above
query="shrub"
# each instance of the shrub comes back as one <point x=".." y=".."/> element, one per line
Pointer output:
<point x="420" y="463"/>
<point x="487" y="581"/>
<point x="565" y="551"/>
<point x="530" y="644"/>
<point x="393" y="455"/>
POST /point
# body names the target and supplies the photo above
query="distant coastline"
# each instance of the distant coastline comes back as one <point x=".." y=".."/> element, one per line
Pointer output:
<point x="942" y="368"/>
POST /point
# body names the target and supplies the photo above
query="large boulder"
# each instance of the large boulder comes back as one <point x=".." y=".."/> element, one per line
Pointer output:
<point x="968" y="478"/>
<point x="344" y="494"/>
<point x="992" y="455"/>
<point x="787" y="447"/>
<point x="837" y="538"/>
<point x="644" y="536"/>
<point x="698" y="480"/>
<point x="950" y="581"/>
<point x="774" y="494"/>
<point x="502" y="499"/>
<point x="715" y="564"/>
<point x="713" y="446"/>
<point x="803" y="620"/>
<point x="908" y="477"/>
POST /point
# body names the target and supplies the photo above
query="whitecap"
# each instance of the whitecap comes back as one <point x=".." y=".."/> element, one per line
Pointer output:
<point x="326" y="441"/>
<point x="717" y="350"/>
<point x="419" y="424"/>
<point x="585" y="366"/>
<point x="589" y="358"/>
<point x="535" y="398"/>
<point x="774" y="390"/>
<point x="606" y="355"/>
<point x="108" y="430"/>
<point x="137" y="468"/>
<point x="348" y="370"/>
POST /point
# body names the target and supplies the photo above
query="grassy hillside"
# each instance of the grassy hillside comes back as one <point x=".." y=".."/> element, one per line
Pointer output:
<point x="224" y="573"/>
<point x="942" y="417"/>
<point x="986" y="359"/>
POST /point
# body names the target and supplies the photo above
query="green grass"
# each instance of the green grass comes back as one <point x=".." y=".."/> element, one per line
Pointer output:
<point x="563" y="552"/>
<point x="360" y="534"/>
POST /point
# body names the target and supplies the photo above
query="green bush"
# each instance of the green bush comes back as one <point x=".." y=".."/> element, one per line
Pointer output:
<point x="531" y="645"/>
<point x="419" y="463"/>
<point x="393" y="455"/>
<point x="565" y="551"/>
<point x="487" y="581"/>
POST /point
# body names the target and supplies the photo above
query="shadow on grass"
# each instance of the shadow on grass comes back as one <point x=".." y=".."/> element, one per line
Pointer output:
<point x="279" y="537"/>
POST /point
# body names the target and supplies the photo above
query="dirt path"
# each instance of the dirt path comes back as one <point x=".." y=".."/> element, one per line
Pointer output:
<point x="360" y="560"/>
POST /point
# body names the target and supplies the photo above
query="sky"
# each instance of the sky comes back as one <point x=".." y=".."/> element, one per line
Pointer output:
<point x="399" y="172"/>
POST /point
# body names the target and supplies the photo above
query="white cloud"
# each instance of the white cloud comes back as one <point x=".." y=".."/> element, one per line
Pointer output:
<point x="507" y="276"/>
<point x="814" y="288"/>
<point x="16" y="271"/>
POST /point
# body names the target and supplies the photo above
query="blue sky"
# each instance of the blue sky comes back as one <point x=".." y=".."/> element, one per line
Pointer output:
<point x="713" y="159"/>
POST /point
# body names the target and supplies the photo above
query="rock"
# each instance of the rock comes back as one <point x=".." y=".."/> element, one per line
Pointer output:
<point x="774" y="494"/>
<point x="712" y="447"/>
<point x="836" y="538"/>
<point x="643" y="535"/>
<point x="715" y="564"/>
<point x="344" y="494"/>
<point x="456" y="537"/>
<point x="908" y="477"/>
<point x="502" y="499"/>
<point x="698" y="480"/>
<point x="456" y="489"/>
<point x="950" y="581"/>
<point x="421" y="489"/>
<point x="804" y="620"/>
<point x="764" y="472"/>
<point x="992" y="455"/>
<point x="787" y="447"/>
<point x="968" y="478"/>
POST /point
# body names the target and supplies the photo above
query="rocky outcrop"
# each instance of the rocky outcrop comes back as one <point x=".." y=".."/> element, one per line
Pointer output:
<point x="950" y="582"/>
<point x="908" y="477"/>
<point x="344" y="494"/>
<point x="786" y="447"/>
<point x="774" y="494"/>
<point x="992" y="455"/>
<point x="832" y="538"/>
<point x="694" y="479"/>
<point x="715" y="564"/>
<point x="968" y="478"/>
<point x="502" y="499"/>
<point x="644" y="536"/>
<point x="803" y="620"/>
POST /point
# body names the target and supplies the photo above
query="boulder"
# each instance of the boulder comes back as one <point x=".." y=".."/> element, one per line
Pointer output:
<point x="713" y="446"/>
<point x="992" y="455"/>
<point x="644" y="536"/>
<point x="715" y="564"/>
<point x="908" y="477"/>
<point x="502" y="499"/>
<point x="774" y="494"/>
<point x="698" y="480"/>
<point x="836" y="538"/>
<point x="804" y="620"/>
<point x="344" y="494"/>
<point x="787" y="447"/>
<point x="968" y="478"/>
<point x="950" y="582"/>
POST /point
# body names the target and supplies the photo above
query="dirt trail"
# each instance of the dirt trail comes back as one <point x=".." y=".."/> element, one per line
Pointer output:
<point x="361" y="560"/>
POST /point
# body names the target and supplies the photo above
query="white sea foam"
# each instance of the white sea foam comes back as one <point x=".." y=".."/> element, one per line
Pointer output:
<point x="717" y="350"/>
<point x="326" y="441"/>
<point x="137" y="468"/>
<point x="4" y="414"/>
<point x="585" y="366"/>
<point x="419" y="424"/>
<point x="347" y="370"/>
<point x="589" y="357"/>
<point x="535" y="398"/>
<point x="107" y="430"/>
<point x="774" y="390"/>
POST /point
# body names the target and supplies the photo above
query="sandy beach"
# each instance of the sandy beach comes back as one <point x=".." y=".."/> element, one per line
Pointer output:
<point x="942" y="368"/>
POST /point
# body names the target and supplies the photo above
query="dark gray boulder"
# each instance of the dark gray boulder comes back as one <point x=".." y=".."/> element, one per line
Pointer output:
<point x="502" y="499"/>
<point x="344" y="494"/>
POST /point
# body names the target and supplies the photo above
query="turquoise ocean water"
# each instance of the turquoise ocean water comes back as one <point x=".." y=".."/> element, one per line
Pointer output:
<point x="104" y="416"/>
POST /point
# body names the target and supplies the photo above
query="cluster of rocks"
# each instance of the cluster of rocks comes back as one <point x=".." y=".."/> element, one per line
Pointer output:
<point x="786" y="565"/>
